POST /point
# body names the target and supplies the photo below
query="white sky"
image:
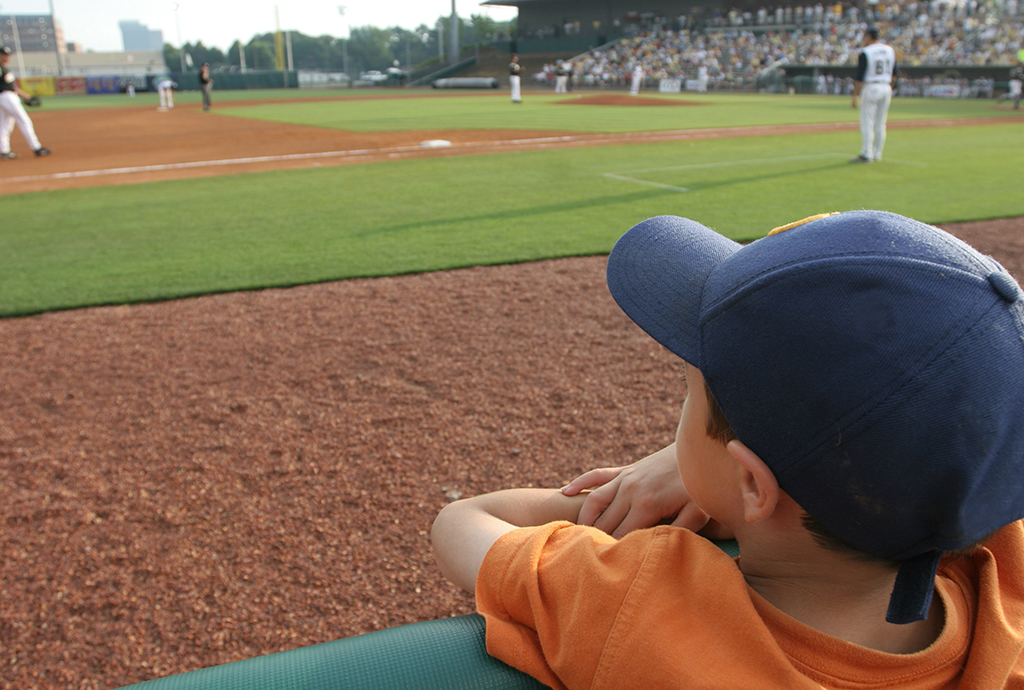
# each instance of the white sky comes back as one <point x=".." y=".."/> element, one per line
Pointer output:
<point x="218" y="23"/>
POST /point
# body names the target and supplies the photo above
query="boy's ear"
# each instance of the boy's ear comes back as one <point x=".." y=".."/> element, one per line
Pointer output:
<point x="760" y="489"/>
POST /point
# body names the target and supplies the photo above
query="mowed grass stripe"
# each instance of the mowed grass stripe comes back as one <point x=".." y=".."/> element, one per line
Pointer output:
<point x="172" y="239"/>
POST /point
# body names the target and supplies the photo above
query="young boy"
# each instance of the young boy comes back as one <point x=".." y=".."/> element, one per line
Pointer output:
<point x="855" y="419"/>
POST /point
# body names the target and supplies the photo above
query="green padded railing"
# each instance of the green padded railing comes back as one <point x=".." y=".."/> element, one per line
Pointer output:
<point x="433" y="655"/>
<point x="445" y="654"/>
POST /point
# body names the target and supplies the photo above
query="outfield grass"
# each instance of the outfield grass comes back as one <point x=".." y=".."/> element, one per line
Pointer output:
<point x="293" y="227"/>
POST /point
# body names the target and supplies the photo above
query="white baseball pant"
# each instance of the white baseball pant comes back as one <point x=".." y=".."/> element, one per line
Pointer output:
<point x="874" y="109"/>
<point x="12" y="112"/>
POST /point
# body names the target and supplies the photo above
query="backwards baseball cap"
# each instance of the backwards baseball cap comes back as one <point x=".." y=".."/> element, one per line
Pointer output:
<point x="874" y="363"/>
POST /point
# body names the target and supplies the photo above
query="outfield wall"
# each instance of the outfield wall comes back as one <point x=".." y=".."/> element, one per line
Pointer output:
<point x="187" y="81"/>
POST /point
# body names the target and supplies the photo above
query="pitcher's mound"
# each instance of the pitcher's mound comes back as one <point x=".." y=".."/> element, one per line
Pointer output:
<point x="622" y="99"/>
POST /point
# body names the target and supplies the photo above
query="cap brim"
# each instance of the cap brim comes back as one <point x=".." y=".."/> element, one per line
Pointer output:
<point x="657" y="272"/>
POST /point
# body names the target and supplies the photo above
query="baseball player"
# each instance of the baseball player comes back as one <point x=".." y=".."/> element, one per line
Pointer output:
<point x="638" y="78"/>
<point x="12" y="112"/>
<point x="205" y="84"/>
<point x="514" y="68"/>
<point x="562" y="77"/>
<point x="876" y="70"/>
<point x="1016" y="84"/>
<point x="165" y="87"/>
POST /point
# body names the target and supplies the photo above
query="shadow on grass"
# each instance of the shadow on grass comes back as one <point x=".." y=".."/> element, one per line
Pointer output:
<point x="773" y="175"/>
<point x="523" y="212"/>
<point x="591" y="202"/>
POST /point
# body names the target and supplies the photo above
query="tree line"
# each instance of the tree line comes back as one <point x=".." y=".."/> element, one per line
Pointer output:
<point x="368" y="47"/>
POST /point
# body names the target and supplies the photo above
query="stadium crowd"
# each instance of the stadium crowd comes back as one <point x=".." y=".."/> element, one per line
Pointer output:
<point x="736" y="48"/>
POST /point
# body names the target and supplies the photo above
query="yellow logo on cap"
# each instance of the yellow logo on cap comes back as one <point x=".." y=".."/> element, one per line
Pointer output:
<point x="808" y="219"/>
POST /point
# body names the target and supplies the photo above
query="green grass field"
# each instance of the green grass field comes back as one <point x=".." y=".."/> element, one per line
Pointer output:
<point x="171" y="239"/>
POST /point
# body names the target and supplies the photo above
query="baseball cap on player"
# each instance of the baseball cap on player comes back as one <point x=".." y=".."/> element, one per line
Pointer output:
<point x="4" y="50"/>
<point x="874" y="363"/>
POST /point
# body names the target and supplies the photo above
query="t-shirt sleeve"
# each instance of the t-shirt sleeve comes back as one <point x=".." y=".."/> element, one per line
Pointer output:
<point x="586" y="571"/>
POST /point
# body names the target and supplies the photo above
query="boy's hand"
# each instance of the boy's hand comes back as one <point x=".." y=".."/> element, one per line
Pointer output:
<point x="644" y="494"/>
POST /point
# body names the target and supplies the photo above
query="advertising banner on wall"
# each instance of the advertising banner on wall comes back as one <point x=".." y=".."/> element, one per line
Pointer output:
<point x="670" y="85"/>
<point x="38" y="86"/>
<point x="69" y="85"/>
<point x="945" y="91"/>
<point x="102" y="85"/>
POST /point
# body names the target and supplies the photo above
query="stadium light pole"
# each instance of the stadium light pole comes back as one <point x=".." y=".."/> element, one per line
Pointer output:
<point x="344" y="41"/>
<point x="181" y="46"/>
<point x="453" y="38"/>
<point x="56" y="45"/>
<point x="440" y="39"/>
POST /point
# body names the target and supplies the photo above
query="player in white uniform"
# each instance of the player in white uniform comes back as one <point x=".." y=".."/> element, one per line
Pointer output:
<point x="876" y="69"/>
<point x="1016" y="83"/>
<point x="514" y="68"/>
<point x="562" y="77"/>
<point x="12" y="112"/>
<point x="165" y="88"/>
<point x="638" y="78"/>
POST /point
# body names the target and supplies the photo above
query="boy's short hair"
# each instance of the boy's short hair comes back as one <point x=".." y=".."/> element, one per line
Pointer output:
<point x="719" y="429"/>
<point x="717" y="426"/>
<point x="874" y="363"/>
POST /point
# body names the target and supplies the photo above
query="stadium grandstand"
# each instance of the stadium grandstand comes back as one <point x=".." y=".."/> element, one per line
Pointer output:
<point x="749" y="45"/>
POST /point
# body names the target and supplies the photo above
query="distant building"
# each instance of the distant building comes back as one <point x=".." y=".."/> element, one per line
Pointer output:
<point x="138" y="36"/>
<point x="31" y="33"/>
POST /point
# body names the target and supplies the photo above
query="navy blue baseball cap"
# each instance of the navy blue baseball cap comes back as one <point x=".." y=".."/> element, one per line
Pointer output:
<point x="873" y="362"/>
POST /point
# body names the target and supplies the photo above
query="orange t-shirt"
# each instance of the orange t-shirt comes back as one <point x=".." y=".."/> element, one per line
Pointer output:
<point x="664" y="608"/>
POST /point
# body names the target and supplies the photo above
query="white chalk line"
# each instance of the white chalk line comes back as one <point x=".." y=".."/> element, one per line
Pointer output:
<point x="353" y="155"/>
<point x="627" y="175"/>
<point x="646" y="182"/>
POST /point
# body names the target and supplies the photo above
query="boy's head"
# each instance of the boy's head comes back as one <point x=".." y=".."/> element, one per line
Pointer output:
<point x="874" y="363"/>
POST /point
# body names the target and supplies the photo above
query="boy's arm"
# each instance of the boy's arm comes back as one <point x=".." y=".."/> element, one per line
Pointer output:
<point x="464" y="531"/>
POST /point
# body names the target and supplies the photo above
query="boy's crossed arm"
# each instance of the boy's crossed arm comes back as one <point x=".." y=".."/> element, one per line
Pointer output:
<point x="463" y="531"/>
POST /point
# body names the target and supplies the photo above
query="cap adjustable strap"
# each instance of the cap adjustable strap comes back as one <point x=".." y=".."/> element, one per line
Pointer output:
<point x="915" y="583"/>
